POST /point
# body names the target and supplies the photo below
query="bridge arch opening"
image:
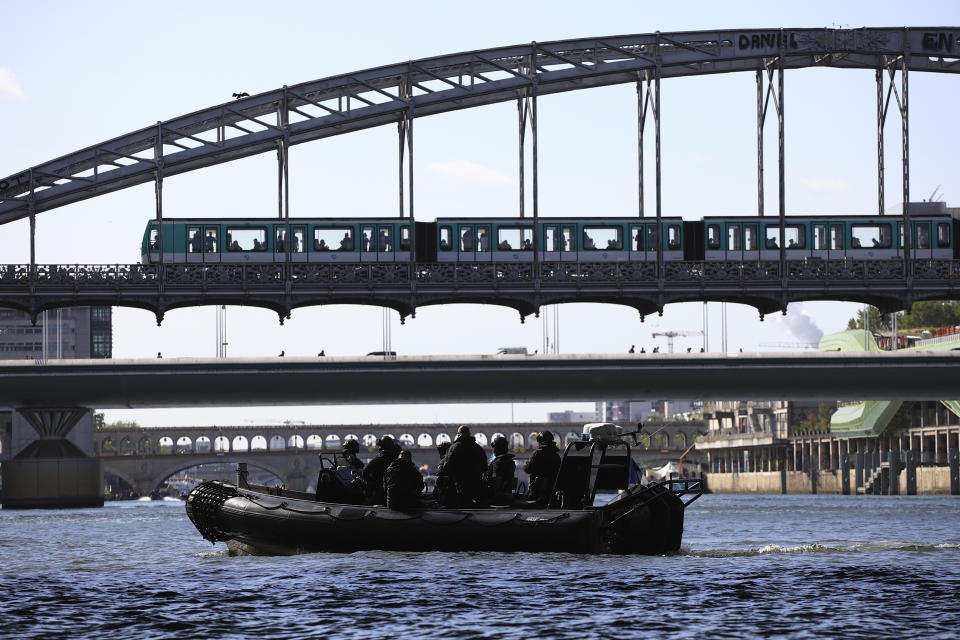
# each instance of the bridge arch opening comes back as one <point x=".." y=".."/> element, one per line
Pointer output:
<point x="258" y="443"/>
<point x="332" y="441"/>
<point x="497" y="435"/>
<point x="424" y="440"/>
<point x="165" y="445"/>
<point x="202" y="445"/>
<point x="532" y="439"/>
<point x="240" y="443"/>
<point x="661" y="441"/>
<point x="295" y="442"/>
<point x="481" y="438"/>
<point x="277" y="443"/>
<point x="314" y="442"/>
<point x="406" y="440"/>
<point x="443" y="437"/>
<point x="516" y="442"/>
<point x="145" y="446"/>
<point x="127" y="447"/>
<point x="570" y="437"/>
<point x="221" y="444"/>
<point x="370" y="441"/>
<point x="184" y="445"/>
<point x="350" y="436"/>
<point x="680" y="440"/>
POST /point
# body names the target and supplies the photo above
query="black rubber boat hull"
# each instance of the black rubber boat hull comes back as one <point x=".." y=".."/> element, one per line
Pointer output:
<point x="256" y="522"/>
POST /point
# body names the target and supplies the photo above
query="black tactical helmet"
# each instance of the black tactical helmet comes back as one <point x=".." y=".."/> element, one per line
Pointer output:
<point x="499" y="445"/>
<point x="387" y="444"/>
<point x="546" y="436"/>
<point x="351" y="446"/>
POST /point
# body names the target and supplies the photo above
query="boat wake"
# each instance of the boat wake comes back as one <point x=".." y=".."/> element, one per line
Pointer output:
<point x="851" y="547"/>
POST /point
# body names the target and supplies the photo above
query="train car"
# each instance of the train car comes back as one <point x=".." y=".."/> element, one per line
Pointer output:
<point x="469" y="240"/>
<point x="251" y="240"/>
<point x="750" y="239"/>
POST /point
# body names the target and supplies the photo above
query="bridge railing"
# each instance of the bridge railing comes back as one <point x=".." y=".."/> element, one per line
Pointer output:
<point x="273" y="275"/>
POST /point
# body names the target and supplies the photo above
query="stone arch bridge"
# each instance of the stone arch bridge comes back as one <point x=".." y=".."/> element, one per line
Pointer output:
<point x="146" y="457"/>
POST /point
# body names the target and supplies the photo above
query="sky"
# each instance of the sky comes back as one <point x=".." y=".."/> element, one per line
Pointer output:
<point x="75" y="74"/>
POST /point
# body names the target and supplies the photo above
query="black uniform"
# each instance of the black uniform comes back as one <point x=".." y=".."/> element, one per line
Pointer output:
<point x="373" y="475"/>
<point x="499" y="478"/>
<point x="543" y="466"/>
<point x="402" y="484"/>
<point x="465" y="464"/>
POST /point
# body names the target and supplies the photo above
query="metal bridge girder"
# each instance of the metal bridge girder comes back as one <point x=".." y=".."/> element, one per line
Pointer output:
<point x="370" y="98"/>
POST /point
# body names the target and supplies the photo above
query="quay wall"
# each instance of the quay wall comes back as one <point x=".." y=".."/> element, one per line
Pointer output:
<point x="930" y="481"/>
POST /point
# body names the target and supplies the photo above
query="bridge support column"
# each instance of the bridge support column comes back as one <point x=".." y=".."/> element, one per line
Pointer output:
<point x="858" y="471"/>
<point x="953" y="457"/>
<point x="845" y="474"/>
<point x="911" y="472"/>
<point x="52" y="471"/>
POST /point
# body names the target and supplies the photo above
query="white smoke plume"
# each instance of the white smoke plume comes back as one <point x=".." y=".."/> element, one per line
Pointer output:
<point x="801" y="325"/>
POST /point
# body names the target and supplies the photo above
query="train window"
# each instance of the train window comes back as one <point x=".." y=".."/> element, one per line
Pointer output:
<point x="750" y="237"/>
<point x="385" y="239"/>
<point x="466" y="237"/>
<point x="652" y="244"/>
<point x="871" y="235"/>
<point x="602" y="238"/>
<point x="713" y="236"/>
<point x="210" y="240"/>
<point x="281" y="235"/>
<point x="568" y="239"/>
<point x="333" y="239"/>
<point x="194" y="242"/>
<point x="405" y="238"/>
<point x="636" y="237"/>
<point x="483" y="238"/>
<point x="733" y="237"/>
<point x="673" y="236"/>
<point x="551" y="239"/>
<point x="943" y="234"/>
<point x="155" y="239"/>
<point x="515" y="238"/>
<point x="794" y="234"/>
<point x="836" y="237"/>
<point x="446" y="238"/>
<point x="366" y="236"/>
<point x="247" y="238"/>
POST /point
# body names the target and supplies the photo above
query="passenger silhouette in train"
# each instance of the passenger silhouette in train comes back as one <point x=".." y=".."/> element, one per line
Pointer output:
<point x="444" y="244"/>
<point x="322" y="245"/>
<point x="588" y="242"/>
<point x="632" y="350"/>
<point x="527" y="245"/>
<point x="771" y="243"/>
<point x="211" y="243"/>
<point x="638" y="242"/>
<point x="466" y="241"/>
<point x="484" y="241"/>
<point x="365" y="242"/>
<point x="347" y="243"/>
<point x="792" y="244"/>
<point x="612" y="244"/>
<point x="384" y="241"/>
<point x="296" y="244"/>
<point x="235" y="246"/>
<point x="504" y="246"/>
<point x="195" y="243"/>
<point x="404" y="242"/>
<point x="855" y="242"/>
<point x="281" y="243"/>
<point x="257" y="245"/>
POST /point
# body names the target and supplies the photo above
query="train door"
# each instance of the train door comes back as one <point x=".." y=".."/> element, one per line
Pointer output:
<point x="650" y="243"/>
<point x="734" y="250"/>
<point x="465" y="243"/>
<point x="368" y="243"/>
<point x="402" y="254"/>
<point x="211" y="248"/>
<point x="568" y="243"/>
<point x="635" y="240"/>
<point x="551" y="243"/>
<point x="674" y="238"/>
<point x="836" y="247"/>
<point x="194" y="243"/>
<point x="944" y="241"/>
<point x="297" y="234"/>
<point x="482" y="243"/>
<point x="751" y="242"/>
<point x="446" y="250"/>
<point x="713" y="248"/>
<point x="921" y="247"/>
<point x="819" y="240"/>
<point x="385" y="243"/>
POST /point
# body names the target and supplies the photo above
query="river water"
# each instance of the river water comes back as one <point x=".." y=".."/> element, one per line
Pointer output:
<point x="752" y="566"/>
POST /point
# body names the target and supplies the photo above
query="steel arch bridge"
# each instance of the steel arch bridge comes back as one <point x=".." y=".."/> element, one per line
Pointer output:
<point x="398" y="94"/>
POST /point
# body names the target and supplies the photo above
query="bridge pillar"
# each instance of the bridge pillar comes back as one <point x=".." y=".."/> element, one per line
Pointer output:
<point x="911" y="472"/>
<point x="953" y="456"/>
<point x="858" y="471"/>
<point x="51" y="471"/>
<point x="845" y="474"/>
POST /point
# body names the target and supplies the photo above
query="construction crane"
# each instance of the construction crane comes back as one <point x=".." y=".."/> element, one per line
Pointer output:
<point x="670" y="335"/>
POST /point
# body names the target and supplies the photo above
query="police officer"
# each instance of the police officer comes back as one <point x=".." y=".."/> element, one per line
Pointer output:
<point x="465" y="463"/>
<point x="543" y="466"/>
<point x="499" y="477"/>
<point x="402" y="483"/>
<point x="350" y="460"/>
<point x="373" y="473"/>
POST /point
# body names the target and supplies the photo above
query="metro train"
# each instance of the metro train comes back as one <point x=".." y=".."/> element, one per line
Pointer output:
<point x="477" y="240"/>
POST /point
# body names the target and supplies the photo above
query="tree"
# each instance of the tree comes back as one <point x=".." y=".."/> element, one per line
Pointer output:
<point x="878" y="321"/>
<point x="98" y="422"/>
<point x="932" y="314"/>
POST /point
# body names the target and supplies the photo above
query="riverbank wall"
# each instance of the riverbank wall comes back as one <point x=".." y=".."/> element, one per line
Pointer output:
<point x="930" y="481"/>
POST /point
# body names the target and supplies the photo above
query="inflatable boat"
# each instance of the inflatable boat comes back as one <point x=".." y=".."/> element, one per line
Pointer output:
<point x="644" y="519"/>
